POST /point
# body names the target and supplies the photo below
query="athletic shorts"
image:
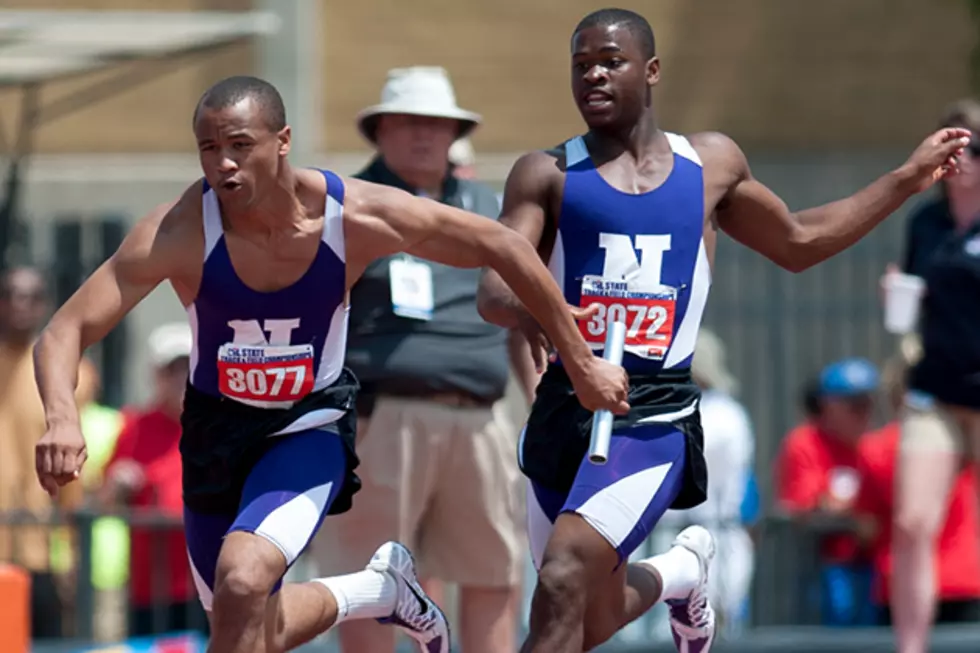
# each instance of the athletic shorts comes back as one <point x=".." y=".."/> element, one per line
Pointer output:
<point x="285" y="498"/>
<point x="223" y="440"/>
<point x="929" y="425"/>
<point x="622" y="500"/>
<point x="556" y="438"/>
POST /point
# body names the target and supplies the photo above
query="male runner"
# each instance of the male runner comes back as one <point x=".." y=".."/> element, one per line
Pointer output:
<point x="262" y="255"/>
<point x="628" y="218"/>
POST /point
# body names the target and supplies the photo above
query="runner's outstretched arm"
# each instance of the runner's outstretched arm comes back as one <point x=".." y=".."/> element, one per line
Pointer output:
<point x="384" y="221"/>
<point x="753" y="215"/>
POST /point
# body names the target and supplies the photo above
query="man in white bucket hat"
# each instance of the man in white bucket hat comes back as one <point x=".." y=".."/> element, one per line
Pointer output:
<point x="437" y="416"/>
<point x="414" y="128"/>
<point x="424" y="91"/>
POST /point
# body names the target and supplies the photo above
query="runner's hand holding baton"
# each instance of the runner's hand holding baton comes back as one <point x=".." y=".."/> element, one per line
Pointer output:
<point x="603" y="420"/>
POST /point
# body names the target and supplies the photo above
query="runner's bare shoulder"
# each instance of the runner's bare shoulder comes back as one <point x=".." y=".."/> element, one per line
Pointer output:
<point x="540" y="166"/>
<point x="721" y="157"/>
<point x="536" y="179"/>
<point x="168" y="238"/>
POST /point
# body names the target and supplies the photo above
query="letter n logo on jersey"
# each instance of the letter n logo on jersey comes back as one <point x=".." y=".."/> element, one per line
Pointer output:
<point x="250" y="332"/>
<point x="630" y="290"/>
<point x="621" y="260"/>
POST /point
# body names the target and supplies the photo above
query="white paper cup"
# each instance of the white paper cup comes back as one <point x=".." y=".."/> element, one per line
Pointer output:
<point x="903" y="296"/>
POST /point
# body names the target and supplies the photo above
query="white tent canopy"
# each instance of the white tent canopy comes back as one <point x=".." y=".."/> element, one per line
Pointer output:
<point x="38" y="46"/>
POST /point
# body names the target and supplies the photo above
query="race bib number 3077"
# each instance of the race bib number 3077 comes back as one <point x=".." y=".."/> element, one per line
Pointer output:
<point x="648" y="313"/>
<point x="265" y="375"/>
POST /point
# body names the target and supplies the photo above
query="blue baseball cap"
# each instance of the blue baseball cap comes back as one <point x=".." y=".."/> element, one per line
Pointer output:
<point x="850" y="377"/>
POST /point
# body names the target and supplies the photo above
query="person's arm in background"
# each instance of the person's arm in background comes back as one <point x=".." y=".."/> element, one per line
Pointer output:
<point x="518" y="349"/>
<point x="123" y="475"/>
<point x="908" y="251"/>
<point x="751" y="508"/>
<point x="869" y="509"/>
<point x="740" y="455"/>
<point x="522" y="363"/>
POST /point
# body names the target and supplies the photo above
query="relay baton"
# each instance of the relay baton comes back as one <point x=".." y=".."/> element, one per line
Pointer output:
<point x="603" y="420"/>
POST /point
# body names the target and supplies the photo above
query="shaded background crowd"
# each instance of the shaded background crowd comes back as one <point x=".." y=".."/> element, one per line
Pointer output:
<point x="803" y="385"/>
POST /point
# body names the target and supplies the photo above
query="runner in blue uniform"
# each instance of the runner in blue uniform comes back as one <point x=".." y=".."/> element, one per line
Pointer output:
<point x="262" y="256"/>
<point x="627" y="217"/>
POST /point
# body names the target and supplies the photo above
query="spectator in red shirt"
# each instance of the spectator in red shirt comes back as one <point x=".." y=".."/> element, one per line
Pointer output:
<point x="954" y="583"/>
<point x="817" y="475"/>
<point x="144" y="474"/>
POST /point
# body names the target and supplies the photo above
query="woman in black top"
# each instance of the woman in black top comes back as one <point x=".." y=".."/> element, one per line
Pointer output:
<point x="941" y="420"/>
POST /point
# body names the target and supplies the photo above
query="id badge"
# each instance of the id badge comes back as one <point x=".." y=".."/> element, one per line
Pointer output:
<point x="411" y="289"/>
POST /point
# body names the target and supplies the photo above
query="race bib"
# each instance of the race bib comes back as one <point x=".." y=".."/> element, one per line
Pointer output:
<point x="647" y="311"/>
<point x="267" y="376"/>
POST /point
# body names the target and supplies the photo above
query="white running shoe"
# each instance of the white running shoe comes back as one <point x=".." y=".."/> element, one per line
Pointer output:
<point x="692" y="620"/>
<point x="415" y="613"/>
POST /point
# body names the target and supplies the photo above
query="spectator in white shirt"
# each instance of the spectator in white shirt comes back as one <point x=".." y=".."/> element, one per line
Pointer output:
<point x="729" y="450"/>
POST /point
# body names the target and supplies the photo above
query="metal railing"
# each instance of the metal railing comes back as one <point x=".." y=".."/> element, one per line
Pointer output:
<point x="84" y="605"/>
<point x="785" y="556"/>
<point x="784" y="598"/>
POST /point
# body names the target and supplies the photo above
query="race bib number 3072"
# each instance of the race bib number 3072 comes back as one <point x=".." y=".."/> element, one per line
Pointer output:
<point x="648" y="313"/>
<point x="265" y="375"/>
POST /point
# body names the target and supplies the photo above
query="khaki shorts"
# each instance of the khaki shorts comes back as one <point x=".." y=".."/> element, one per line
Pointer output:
<point x="939" y="427"/>
<point x="442" y="480"/>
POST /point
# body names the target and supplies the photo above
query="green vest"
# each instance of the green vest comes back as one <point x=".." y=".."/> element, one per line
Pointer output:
<point x="101" y="426"/>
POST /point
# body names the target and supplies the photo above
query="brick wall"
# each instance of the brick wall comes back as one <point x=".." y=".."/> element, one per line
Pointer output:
<point x="772" y="73"/>
<point x="775" y="74"/>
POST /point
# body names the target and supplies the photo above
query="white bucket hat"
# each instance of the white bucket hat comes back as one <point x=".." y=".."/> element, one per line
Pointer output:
<point x="168" y="342"/>
<point x="417" y="91"/>
<point x="709" y="365"/>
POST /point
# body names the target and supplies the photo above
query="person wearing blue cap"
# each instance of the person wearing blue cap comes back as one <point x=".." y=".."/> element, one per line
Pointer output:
<point x="853" y="377"/>
<point x="816" y="473"/>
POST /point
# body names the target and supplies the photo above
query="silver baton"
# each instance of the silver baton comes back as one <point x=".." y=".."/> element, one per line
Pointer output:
<point x="603" y="420"/>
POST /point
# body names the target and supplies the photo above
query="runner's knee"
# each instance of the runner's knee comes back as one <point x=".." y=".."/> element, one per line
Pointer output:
<point x="248" y="569"/>
<point x="563" y="581"/>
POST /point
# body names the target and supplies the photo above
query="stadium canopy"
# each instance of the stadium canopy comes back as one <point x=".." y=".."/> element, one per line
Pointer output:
<point x="39" y="47"/>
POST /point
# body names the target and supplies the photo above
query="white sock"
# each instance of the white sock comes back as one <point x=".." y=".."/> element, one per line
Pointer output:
<point x="679" y="570"/>
<point x="366" y="594"/>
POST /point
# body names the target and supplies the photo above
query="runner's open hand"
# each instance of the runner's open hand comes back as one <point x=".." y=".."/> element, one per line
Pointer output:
<point x="936" y="157"/>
